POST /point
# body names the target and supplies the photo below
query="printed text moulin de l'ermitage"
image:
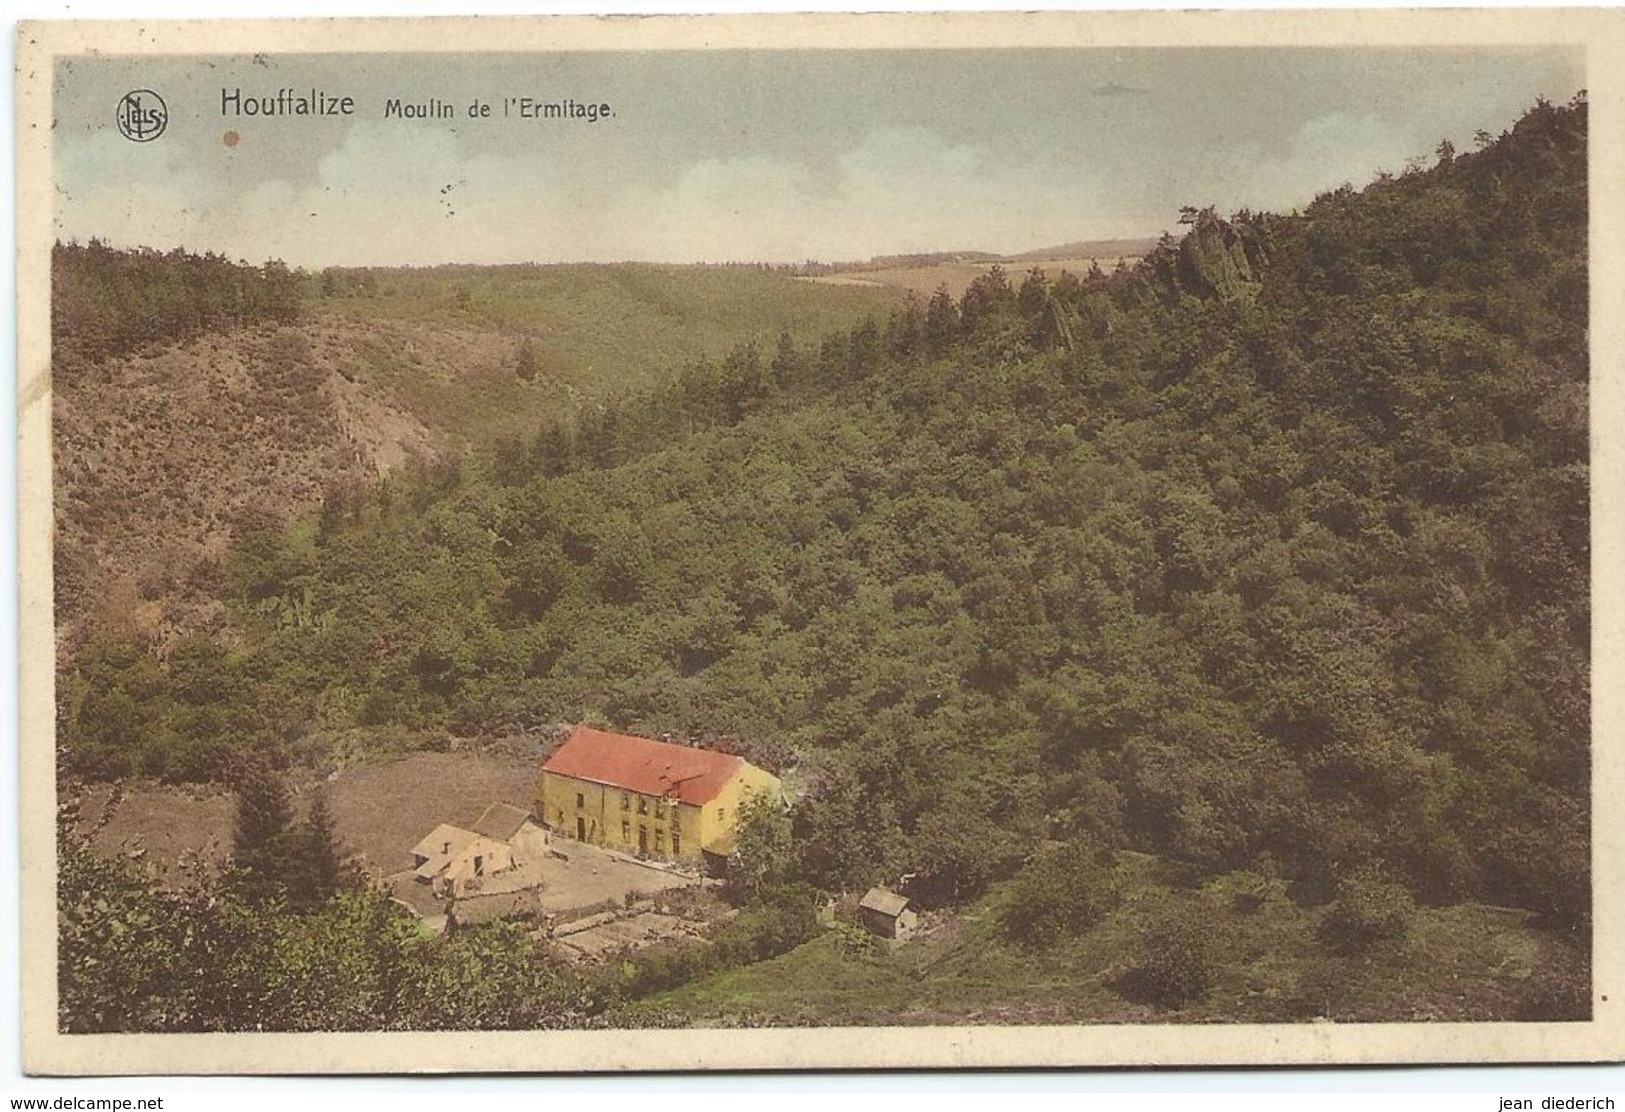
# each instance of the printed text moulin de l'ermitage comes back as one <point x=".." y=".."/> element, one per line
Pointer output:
<point x="289" y="102"/>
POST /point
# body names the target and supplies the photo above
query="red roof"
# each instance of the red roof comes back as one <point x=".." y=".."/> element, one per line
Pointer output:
<point x="639" y="764"/>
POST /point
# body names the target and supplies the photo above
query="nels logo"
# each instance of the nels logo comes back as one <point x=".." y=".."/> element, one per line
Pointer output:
<point x="142" y="116"/>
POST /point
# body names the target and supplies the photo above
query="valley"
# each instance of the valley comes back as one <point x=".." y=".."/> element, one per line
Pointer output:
<point x="1204" y="638"/>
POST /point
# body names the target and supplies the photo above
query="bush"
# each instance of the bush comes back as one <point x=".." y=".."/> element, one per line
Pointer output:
<point x="783" y="918"/>
<point x="1369" y="908"/>
<point x="1059" y="893"/>
<point x="1176" y="961"/>
<point x="855" y="941"/>
<point x="658" y="969"/>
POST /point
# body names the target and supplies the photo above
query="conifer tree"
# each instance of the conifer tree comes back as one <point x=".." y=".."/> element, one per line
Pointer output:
<point x="941" y="321"/>
<point x="317" y="865"/>
<point x="264" y="815"/>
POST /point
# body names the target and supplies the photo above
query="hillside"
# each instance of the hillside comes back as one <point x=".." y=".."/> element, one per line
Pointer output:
<point x="163" y="459"/>
<point x="921" y="275"/>
<point x="182" y="427"/>
<point x="599" y="329"/>
<point x="1264" y="561"/>
<point x="1266" y="963"/>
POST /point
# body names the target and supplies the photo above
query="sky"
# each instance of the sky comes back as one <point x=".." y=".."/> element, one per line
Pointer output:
<point x="752" y="155"/>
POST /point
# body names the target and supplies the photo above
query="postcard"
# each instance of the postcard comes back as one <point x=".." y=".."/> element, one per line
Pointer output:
<point x="821" y="541"/>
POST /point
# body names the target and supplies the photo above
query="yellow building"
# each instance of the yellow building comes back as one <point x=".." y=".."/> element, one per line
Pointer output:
<point x="643" y="796"/>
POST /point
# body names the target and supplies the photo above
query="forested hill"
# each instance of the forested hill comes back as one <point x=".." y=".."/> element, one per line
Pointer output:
<point x="1271" y="553"/>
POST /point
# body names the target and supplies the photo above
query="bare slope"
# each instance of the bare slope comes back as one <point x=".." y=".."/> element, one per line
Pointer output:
<point x="163" y="457"/>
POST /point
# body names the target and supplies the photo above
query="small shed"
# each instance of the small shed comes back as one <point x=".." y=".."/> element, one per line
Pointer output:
<point x="887" y="914"/>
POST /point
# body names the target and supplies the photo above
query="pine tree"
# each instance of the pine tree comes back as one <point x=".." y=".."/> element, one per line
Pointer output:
<point x="260" y="849"/>
<point x="786" y="360"/>
<point x="316" y="864"/>
<point x="941" y="321"/>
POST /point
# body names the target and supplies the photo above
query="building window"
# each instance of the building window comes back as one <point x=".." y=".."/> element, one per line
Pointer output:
<point x="676" y="843"/>
<point x="660" y="808"/>
<point x="581" y="800"/>
<point x="660" y="841"/>
<point x="721" y="813"/>
<point x="626" y="832"/>
<point x="626" y="802"/>
<point x="643" y="805"/>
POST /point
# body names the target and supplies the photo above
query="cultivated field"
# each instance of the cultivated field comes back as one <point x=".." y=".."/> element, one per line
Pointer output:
<point x="161" y="825"/>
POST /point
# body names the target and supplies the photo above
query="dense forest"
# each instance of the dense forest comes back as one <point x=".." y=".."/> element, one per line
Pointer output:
<point x="1268" y="554"/>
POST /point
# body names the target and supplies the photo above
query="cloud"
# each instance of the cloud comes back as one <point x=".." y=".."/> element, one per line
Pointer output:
<point x="746" y="207"/>
<point x="1325" y="152"/>
<point x="145" y="193"/>
<point x="380" y="191"/>
<point x="403" y="193"/>
<point x="1113" y="89"/>
<point x="826" y="158"/>
<point x="898" y="189"/>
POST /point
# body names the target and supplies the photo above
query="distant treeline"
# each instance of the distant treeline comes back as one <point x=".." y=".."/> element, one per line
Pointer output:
<point x="106" y="301"/>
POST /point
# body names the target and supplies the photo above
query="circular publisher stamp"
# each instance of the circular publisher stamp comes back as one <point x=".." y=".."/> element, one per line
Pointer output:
<point x="142" y="115"/>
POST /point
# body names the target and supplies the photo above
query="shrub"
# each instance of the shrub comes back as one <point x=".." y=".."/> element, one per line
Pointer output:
<point x="1059" y="893"/>
<point x="783" y="918"/>
<point x="1369" y="908"/>
<point x="1176" y="961"/>
<point x="855" y="941"/>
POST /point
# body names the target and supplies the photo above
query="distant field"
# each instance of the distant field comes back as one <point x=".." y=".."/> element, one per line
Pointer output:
<point x="923" y="281"/>
<point x="1090" y="249"/>
<point x="605" y="329"/>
